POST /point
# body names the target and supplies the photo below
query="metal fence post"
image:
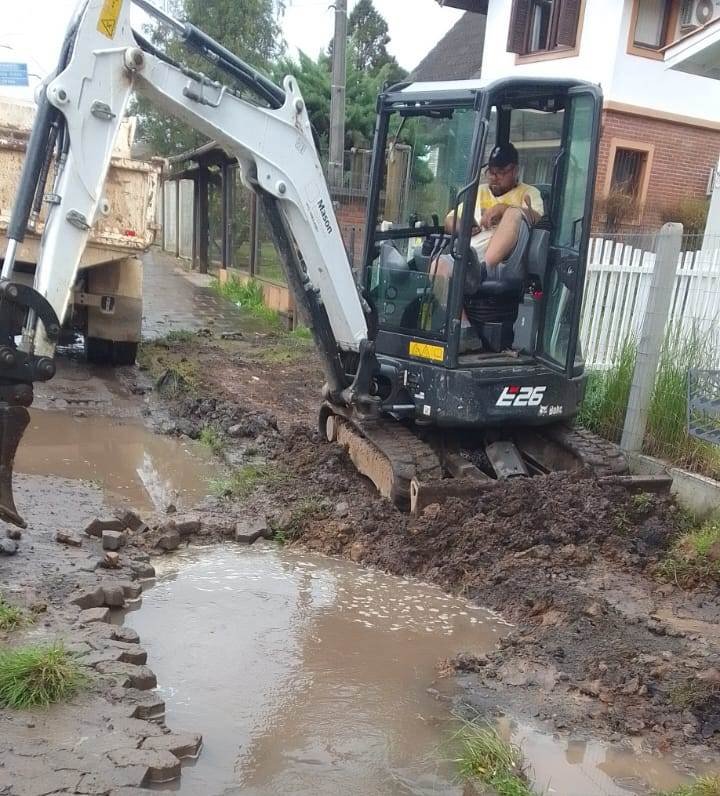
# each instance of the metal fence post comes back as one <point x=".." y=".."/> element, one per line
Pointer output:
<point x="651" y="337"/>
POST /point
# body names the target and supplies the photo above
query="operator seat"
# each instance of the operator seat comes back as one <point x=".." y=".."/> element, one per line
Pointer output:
<point x="493" y="308"/>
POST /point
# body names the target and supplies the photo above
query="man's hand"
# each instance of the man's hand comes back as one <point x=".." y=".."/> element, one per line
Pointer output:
<point x="531" y="214"/>
<point x="491" y="217"/>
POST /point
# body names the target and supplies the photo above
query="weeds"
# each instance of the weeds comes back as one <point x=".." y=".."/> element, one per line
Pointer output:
<point x="241" y="483"/>
<point x="249" y="297"/>
<point x="704" y="786"/>
<point x="692" y="693"/>
<point x="12" y="617"/>
<point x="31" y="676"/>
<point x="485" y="757"/>
<point x="695" y="556"/>
<point x="165" y="359"/>
<point x="211" y="438"/>
<point x="606" y="400"/>
<point x="307" y="509"/>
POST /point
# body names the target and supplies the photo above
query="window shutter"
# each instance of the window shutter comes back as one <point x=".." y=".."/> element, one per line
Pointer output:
<point x="519" y="19"/>
<point x="568" y="18"/>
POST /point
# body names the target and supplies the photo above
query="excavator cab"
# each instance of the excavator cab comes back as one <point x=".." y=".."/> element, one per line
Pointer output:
<point x="470" y="346"/>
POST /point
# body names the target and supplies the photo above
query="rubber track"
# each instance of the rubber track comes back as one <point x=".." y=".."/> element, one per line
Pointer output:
<point x="408" y="455"/>
<point x="600" y="455"/>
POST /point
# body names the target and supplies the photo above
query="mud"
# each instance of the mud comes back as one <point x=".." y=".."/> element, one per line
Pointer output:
<point x="567" y="559"/>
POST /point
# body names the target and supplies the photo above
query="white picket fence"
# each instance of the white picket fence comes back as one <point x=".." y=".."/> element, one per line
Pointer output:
<point x="616" y="291"/>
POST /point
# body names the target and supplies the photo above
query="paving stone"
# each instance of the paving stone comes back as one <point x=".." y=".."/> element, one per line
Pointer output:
<point x="90" y="598"/>
<point x="142" y="569"/>
<point x="135" y="654"/>
<point x="97" y="526"/>
<point x="67" y="538"/>
<point x="95" y="785"/>
<point x="131" y="590"/>
<point x="94" y="615"/>
<point x="249" y="531"/>
<point x="145" y="705"/>
<point x="94" y="658"/>
<point x="113" y="540"/>
<point x="111" y="560"/>
<point x="14" y="533"/>
<point x="126" y="634"/>
<point x="139" y="729"/>
<point x="8" y="547"/>
<point x="140" y="677"/>
<point x="182" y="745"/>
<point x="114" y="596"/>
<point x="161" y="765"/>
<point x="188" y="526"/>
<point x="168" y="541"/>
<point x="132" y="521"/>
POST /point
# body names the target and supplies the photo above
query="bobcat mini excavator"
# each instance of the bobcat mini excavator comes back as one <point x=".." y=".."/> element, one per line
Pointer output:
<point x="431" y="392"/>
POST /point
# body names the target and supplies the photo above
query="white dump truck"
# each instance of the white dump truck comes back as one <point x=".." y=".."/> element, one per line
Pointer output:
<point x="107" y="304"/>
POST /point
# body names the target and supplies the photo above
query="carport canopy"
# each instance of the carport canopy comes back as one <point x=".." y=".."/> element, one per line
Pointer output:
<point x="698" y="53"/>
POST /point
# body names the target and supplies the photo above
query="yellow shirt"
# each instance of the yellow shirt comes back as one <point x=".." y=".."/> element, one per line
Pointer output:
<point x="514" y="198"/>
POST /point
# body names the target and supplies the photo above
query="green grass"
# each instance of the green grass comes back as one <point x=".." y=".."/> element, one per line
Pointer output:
<point x="695" y="556"/>
<point x="211" y="438"/>
<point x="12" y="617"/>
<point x="248" y="296"/>
<point x="241" y="483"/>
<point x="703" y="786"/>
<point x="603" y="410"/>
<point x="307" y="509"/>
<point x="484" y="756"/>
<point x="41" y="675"/>
<point x="301" y="333"/>
<point x="692" y="693"/>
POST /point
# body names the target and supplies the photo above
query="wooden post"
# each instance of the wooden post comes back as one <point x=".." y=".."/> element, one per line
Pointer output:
<point x="177" y="218"/>
<point x="652" y="335"/>
<point x="203" y="219"/>
<point x="227" y="210"/>
<point x="196" y="223"/>
<point x="254" y="230"/>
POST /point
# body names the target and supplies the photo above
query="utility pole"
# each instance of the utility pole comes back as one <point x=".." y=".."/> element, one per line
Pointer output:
<point x="337" y="96"/>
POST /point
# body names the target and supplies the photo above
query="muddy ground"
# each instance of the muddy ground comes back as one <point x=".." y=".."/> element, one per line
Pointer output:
<point x="602" y="644"/>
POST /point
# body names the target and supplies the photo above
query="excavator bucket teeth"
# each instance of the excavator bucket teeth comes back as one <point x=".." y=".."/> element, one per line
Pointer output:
<point x="13" y="422"/>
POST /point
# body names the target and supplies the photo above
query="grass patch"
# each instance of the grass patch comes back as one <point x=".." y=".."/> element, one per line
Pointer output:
<point x="211" y="438"/>
<point x="703" y="786"/>
<point x="31" y="676"/>
<point x="692" y="693"/>
<point x="484" y="756"/>
<point x="241" y="483"/>
<point x="248" y="296"/>
<point x="311" y="508"/>
<point x="695" y="556"/>
<point x="286" y="349"/>
<point x="167" y="362"/>
<point x="301" y="333"/>
<point x="12" y="617"/>
<point x="605" y="405"/>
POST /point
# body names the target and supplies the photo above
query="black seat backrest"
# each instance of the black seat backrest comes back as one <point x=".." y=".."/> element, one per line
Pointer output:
<point x="537" y="253"/>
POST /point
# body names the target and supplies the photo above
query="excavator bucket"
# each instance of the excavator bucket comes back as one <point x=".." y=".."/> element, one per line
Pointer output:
<point x="13" y="422"/>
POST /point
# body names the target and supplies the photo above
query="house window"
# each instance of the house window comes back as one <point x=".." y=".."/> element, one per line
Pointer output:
<point x="628" y="175"/>
<point x="628" y="172"/>
<point x="651" y="23"/>
<point x="543" y="26"/>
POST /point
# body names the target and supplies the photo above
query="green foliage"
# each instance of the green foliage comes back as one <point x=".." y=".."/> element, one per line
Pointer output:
<point x="369" y="38"/>
<point x="485" y="757"/>
<point x="40" y="675"/>
<point x="690" y="211"/>
<point x="605" y="405"/>
<point x="311" y="508"/>
<point x="692" y="693"/>
<point x="619" y="208"/>
<point x="695" y="556"/>
<point x="241" y="483"/>
<point x="301" y="333"/>
<point x="249" y="297"/>
<point x="12" y="617"/>
<point x="704" y="786"/>
<point x="211" y="438"/>
<point x="248" y="28"/>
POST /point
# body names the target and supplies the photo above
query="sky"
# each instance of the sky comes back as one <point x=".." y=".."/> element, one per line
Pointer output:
<point x="32" y="30"/>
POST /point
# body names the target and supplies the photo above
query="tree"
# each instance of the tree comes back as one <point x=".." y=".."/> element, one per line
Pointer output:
<point x="369" y="37"/>
<point x="248" y="28"/>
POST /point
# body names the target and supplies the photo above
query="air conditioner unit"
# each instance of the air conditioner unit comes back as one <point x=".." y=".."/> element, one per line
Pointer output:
<point x="696" y="12"/>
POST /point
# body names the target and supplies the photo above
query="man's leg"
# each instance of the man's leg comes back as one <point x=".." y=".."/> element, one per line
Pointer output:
<point x="504" y="238"/>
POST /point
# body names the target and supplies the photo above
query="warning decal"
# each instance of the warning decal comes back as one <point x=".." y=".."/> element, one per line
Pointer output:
<point x="436" y="353"/>
<point x="107" y="23"/>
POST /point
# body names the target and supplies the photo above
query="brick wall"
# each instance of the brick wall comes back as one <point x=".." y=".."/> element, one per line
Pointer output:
<point x="681" y="163"/>
<point x="351" y="215"/>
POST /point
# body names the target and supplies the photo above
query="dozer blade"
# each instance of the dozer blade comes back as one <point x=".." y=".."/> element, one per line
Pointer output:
<point x="13" y="422"/>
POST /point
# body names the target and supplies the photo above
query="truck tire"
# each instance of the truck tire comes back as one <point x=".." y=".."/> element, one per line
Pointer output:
<point x="109" y="352"/>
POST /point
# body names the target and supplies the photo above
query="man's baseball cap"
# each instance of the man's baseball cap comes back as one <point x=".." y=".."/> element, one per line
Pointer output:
<point x="503" y="155"/>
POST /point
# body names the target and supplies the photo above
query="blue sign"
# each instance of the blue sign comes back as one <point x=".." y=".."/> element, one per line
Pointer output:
<point x="13" y="74"/>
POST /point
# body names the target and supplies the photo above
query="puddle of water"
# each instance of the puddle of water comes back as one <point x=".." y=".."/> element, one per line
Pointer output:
<point x="305" y="675"/>
<point x="308" y="675"/>
<point x="125" y="459"/>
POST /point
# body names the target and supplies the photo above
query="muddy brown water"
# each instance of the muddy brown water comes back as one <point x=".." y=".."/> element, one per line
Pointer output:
<point x="306" y="675"/>
<point x="124" y="458"/>
<point x="309" y="675"/>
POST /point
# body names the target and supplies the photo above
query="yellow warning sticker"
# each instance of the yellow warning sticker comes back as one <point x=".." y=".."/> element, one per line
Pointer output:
<point x="427" y="351"/>
<point x="109" y="15"/>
